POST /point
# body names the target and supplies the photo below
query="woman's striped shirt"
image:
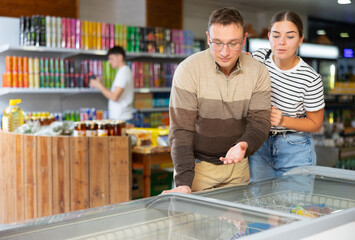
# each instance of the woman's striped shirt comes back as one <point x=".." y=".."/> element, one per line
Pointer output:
<point x="294" y="91"/>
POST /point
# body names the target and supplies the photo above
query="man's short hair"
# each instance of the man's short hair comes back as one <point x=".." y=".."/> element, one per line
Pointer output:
<point x="117" y="50"/>
<point x="226" y="16"/>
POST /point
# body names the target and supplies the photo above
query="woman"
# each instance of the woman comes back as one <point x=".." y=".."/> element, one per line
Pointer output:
<point x="296" y="98"/>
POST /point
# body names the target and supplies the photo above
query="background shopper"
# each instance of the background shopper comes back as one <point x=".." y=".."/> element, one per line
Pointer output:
<point x="219" y="109"/>
<point x="296" y="98"/>
<point x="122" y="93"/>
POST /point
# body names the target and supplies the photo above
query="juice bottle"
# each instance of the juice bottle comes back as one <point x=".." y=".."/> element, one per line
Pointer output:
<point x="13" y="116"/>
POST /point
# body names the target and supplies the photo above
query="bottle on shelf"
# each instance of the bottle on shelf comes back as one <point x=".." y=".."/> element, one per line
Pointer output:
<point x="13" y="116"/>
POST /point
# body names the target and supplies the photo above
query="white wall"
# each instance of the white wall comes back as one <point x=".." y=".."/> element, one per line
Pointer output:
<point x="126" y="12"/>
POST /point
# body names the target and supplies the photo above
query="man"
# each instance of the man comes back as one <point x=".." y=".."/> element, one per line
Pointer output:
<point x="219" y="109"/>
<point x="121" y="94"/>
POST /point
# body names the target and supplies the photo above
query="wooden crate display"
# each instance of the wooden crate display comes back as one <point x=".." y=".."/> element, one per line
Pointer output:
<point x="42" y="176"/>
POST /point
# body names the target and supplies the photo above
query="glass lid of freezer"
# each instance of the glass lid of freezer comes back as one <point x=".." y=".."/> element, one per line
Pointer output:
<point x="308" y="191"/>
<point x="168" y="216"/>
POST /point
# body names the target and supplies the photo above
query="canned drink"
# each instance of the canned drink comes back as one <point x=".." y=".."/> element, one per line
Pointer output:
<point x="15" y="79"/>
<point x="20" y="64"/>
<point x="51" y="65"/>
<point x="30" y="80"/>
<point x="8" y="63"/>
<point x="41" y="65"/>
<point x="59" y="32"/>
<point x="61" y="66"/>
<point x="25" y="64"/>
<point x="57" y="80"/>
<point x="62" y="80"/>
<point x="41" y="80"/>
<point x="20" y="79"/>
<point x="36" y="80"/>
<point x="30" y="65"/>
<point x="14" y="64"/>
<point x="8" y="79"/>
<point x="48" y="32"/>
<point x="25" y="80"/>
<point x="56" y="65"/>
<point x="36" y="65"/>
<point x="46" y="65"/>
<point x="64" y="32"/>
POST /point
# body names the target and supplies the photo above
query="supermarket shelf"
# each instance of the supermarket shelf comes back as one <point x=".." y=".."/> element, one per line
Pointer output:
<point x="70" y="52"/>
<point x="152" y="90"/>
<point x="5" y="91"/>
<point x="158" y="109"/>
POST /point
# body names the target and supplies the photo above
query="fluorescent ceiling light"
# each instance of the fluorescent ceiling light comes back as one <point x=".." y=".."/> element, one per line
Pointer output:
<point x="344" y="1"/>
<point x="344" y="35"/>
<point x="311" y="50"/>
<point x="256" y="43"/>
<point x="321" y="32"/>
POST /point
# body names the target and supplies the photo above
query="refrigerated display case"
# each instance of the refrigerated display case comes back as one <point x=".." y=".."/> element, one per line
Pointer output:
<point x="304" y="202"/>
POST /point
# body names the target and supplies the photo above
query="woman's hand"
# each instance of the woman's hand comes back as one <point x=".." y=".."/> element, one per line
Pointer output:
<point x="276" y="117"/>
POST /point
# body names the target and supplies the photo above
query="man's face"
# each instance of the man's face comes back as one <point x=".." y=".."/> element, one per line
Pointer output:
<point x="231" y="34"/>
<point x="114" y="60"/>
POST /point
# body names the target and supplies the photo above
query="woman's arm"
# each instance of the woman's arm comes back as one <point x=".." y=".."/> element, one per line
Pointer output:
<point x="312" y="123"/>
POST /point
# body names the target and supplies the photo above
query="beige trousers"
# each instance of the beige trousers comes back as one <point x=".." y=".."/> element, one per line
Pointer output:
<point x="208" y="175"/>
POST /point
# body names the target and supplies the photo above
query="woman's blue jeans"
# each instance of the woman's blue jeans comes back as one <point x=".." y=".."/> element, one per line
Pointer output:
<point x="280" y="153"/>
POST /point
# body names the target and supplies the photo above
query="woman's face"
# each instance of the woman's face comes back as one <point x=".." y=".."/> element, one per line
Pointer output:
<point x="284" y="40"/>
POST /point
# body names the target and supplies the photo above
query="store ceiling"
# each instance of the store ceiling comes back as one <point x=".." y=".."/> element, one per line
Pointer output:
<point x="324" y="9"/>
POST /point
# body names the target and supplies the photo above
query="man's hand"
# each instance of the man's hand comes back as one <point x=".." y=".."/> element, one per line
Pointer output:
<point x="235" y="154"/>
<point x="276" y="116"/>
<point x="180" y="189"/>
<point x="96" y="83"/>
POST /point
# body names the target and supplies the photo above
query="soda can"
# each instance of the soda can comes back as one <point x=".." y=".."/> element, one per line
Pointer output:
<point x="51" y="65"/>
<point x="25" y="80"/>
<point x="25" y="64"/>
<point x="8" y="63"/>
<point x="20" y="79"/>
<point x="57" y="80"/>
<point x="64" y="32"/>
<point x="41" y="80"/>
<point x="20" y="64"/>
<point x="14" y="64"/>
<point x="59" y="32"/>
<point x="62" y="80"/>
<point x="61" y="66"/>
<point x="36" y="64"/>
<point x="56" y="65"/>
<point x="8" y="79"/>
<point x="41" y="65"/>
<point x="36" y="80"/>
<point x="30" y="65"/>
<point x="48" y="32"/>
<point x="30" y="80"/>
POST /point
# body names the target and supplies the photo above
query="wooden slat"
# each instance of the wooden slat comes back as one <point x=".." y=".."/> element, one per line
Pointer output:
<point x="30" y="173"/>
<point x="44" y="176"/>
<point x="20" y="180"/>
<point x="99" y="171"/>
<point x="2" y="177"/>
<point x="10" y="191"/>
<point x="79" y="173"/>
<point x="61" y="175"/>
<point x="120" y="170"/>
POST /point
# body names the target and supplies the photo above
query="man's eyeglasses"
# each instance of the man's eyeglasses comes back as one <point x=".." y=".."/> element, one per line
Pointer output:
<point x="233" y="46"/>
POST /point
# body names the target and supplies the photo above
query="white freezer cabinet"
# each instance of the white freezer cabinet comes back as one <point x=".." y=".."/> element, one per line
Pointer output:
<point x="304" y="203"/>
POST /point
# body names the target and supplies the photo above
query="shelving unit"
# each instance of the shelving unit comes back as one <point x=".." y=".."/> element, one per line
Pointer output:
<point x="81" y="96"/>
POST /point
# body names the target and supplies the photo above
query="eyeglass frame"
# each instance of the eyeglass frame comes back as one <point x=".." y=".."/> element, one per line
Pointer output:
<point x="227" y="44"/>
